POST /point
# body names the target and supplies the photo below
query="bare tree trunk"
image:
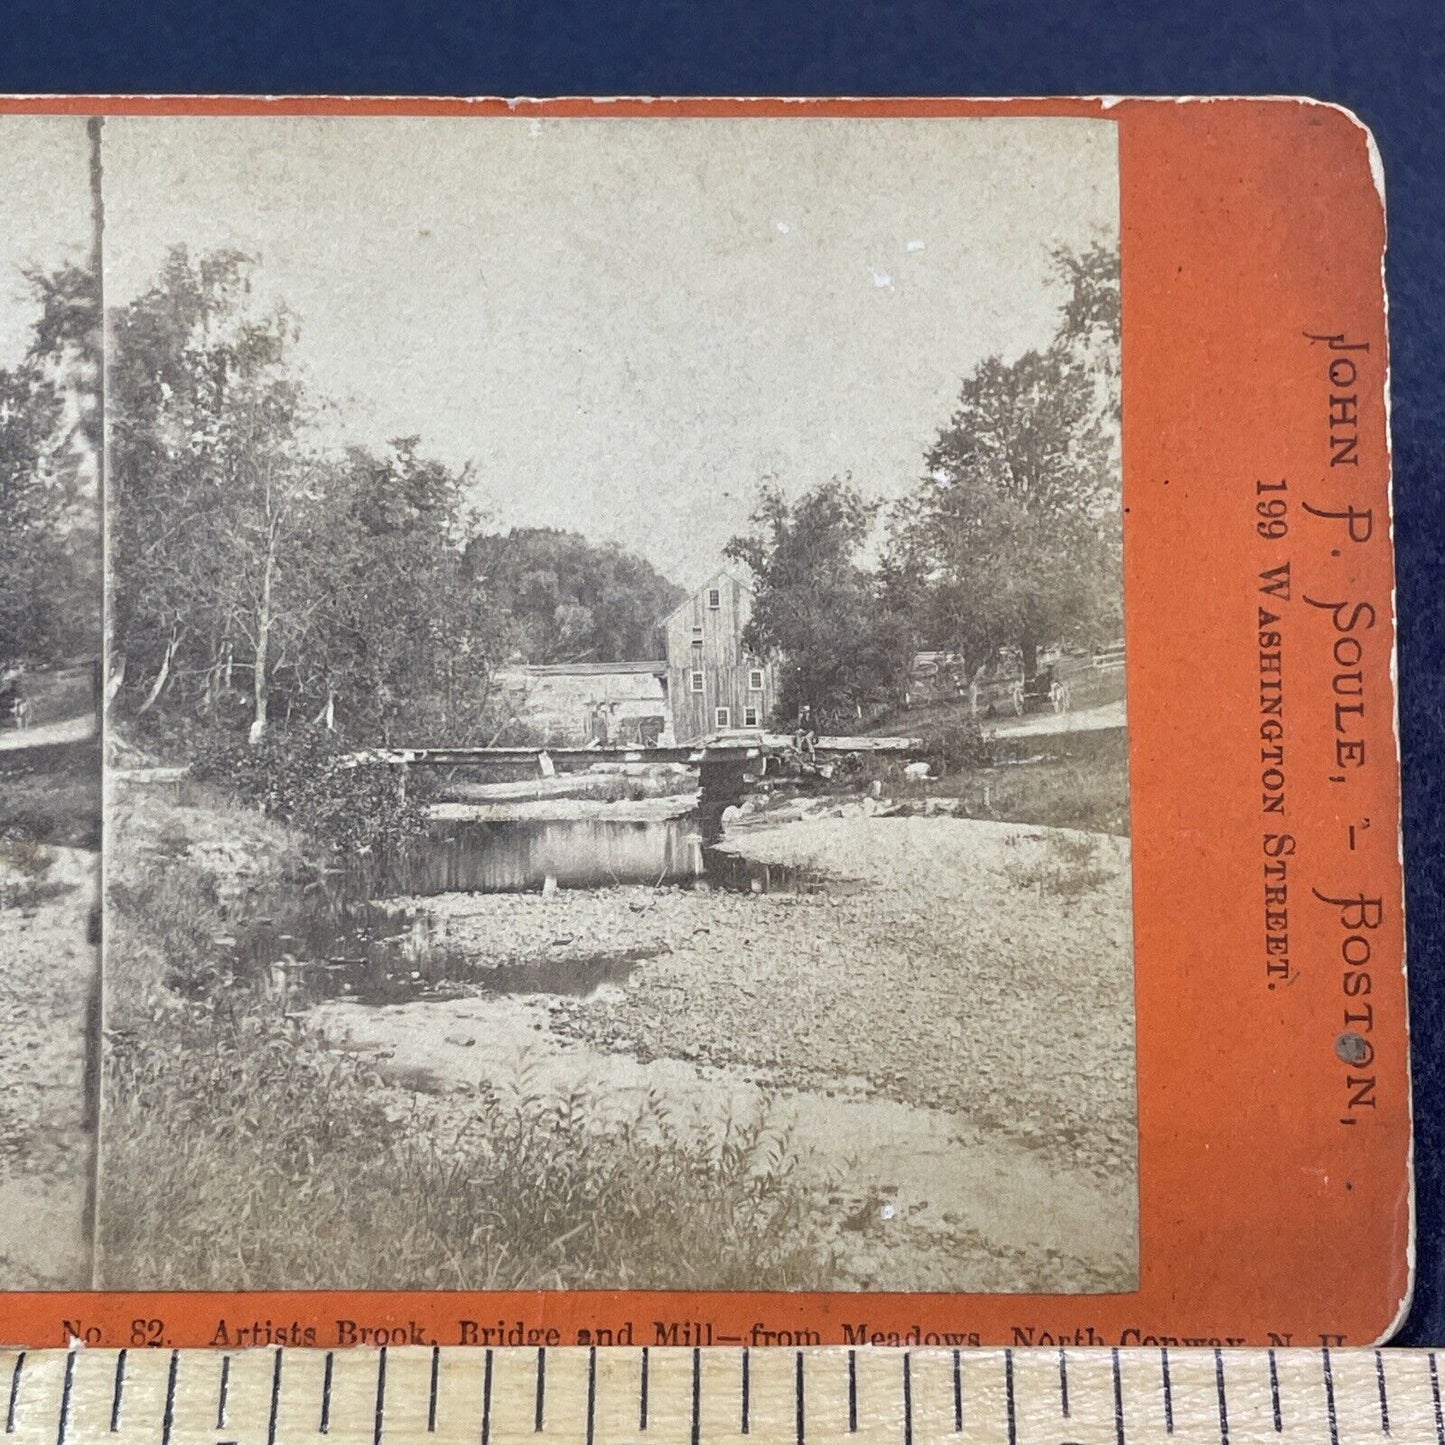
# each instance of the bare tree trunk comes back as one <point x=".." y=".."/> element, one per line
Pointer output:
<point x="259" y="679"/>
<point x="164" y="675"/>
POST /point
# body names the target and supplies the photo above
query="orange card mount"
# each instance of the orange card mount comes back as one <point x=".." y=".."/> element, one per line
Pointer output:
<point x="838" y="785"/>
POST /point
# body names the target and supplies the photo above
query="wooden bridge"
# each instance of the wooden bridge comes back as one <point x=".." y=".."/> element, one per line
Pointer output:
<point x="725" y="749"/>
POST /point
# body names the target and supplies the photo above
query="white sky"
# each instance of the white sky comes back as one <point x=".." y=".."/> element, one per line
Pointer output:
<point x="44" y="213"/>
<point x="624" y="324"/>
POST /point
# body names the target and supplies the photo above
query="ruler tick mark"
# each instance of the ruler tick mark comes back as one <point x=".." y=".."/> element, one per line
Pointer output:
<point x="907" y="1398"/>
<point x="1329" y="1375"/>
<point x="852" y="1392"/>
<point x="1168" y="1392"/>
<point x="1219" y="1390"/>
<point x="65" y="1397"/>
<point x="1063" y="1383"/>
<point x="431" y="1408"/>
<point x="487" y="1400"/>
<point x="1118" y="1398"/>
<point x="276" y="1400"/>
<point x="798" y="1391"/>
<point x="696" y="1396"/>
<point x="168" y="1418"/>
<point x="221" y="1395"/>
<point x="957" y="1393"/>
<point x="1008" y="1386"/>
<point x="1434" y="1395"/>
<point x="747" y="1388"/>
<point x="1380" y="1385"/>
<point x="642" y="1394"/>
<point x="324" y="1427"/>
<point x="14" y="1393"/>
<point x="380" y="1423"/>
<point x="541" y="1389"/>
<point x="591" y="1393"/>
<point x="1274" y="1394"/>
<point x="116" y="1392"/>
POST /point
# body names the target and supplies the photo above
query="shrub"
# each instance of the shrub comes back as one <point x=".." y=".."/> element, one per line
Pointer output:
<point x="957" y="743"/>
<point x="304" y="776"/>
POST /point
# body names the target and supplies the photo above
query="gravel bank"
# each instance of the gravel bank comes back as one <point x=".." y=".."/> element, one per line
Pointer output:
<point x="949" y="963"/>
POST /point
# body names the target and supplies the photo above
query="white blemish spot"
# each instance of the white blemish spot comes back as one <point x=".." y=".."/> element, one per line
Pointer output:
<point x="534" y="127"/>
<point x="881" y="278"/>
<point x="784" y="228"/>
<point x="914" y="246"/>
<point x="888" y="1211"/>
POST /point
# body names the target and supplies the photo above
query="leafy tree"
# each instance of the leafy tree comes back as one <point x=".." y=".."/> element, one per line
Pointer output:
<point x="404" y="636"/>
<point x="257" y="578"/>
<point x="1014" y="535"/>
<point x="31" y="552"/>
<point x="49" y="515"/>
<point x="844" y="651"/>
<point x="571" y="599"/>
<point x="211" y="488"/>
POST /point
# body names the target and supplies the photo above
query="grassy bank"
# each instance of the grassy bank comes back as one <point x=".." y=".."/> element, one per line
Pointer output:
<point x="1073" y="780"/>
<point x="1069" y="780"/>
<point x="241" y="1153"/>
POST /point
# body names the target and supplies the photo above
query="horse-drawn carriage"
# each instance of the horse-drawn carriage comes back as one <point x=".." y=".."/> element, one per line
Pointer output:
<point x="1042" y="690"/>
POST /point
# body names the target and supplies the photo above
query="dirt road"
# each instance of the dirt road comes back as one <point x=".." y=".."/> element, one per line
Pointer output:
<point x="44" y="735"/>
<point x="1051" y="724"/>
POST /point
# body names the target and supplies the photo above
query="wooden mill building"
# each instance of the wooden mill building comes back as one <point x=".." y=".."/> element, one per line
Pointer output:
<point x="713" y="683"/>
<point x="706" y="683"/>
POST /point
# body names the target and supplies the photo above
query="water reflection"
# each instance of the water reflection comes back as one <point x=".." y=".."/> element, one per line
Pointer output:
<point x="345" y="933"/>
<point x="517" y="857"/>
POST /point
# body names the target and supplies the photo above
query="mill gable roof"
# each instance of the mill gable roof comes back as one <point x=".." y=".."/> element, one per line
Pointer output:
<point x="723" y="574"/>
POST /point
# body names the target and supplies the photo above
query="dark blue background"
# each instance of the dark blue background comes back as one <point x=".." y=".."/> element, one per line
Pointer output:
<point x="1383" y="58"/>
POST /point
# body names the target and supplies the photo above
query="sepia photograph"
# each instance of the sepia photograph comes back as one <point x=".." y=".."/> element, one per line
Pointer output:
<point x="616" y="755"/>
<point x="50" y="646"/>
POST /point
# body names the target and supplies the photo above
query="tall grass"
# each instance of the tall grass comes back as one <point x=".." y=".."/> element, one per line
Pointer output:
<point x="241" y="1153"/>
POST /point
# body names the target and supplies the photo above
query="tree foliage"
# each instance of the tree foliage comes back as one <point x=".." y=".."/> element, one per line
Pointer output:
<point x="1014" y="535"/>
<point x="49" y="434"/>
<point x="259" y="576"/>
<point x="845" y="652"/>
<point x="574" y="600"/>
<point x="255" y="575"/>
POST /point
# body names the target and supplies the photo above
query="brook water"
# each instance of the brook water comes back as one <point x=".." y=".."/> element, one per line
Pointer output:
<point x="344" y="934"/>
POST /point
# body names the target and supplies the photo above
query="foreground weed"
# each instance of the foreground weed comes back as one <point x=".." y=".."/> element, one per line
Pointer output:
<point x="1063" y="865"/>
<point x="241" y="1153"/>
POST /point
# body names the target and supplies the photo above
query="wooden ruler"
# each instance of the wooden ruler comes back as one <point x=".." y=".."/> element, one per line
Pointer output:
<point x="751" y="1397"/>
